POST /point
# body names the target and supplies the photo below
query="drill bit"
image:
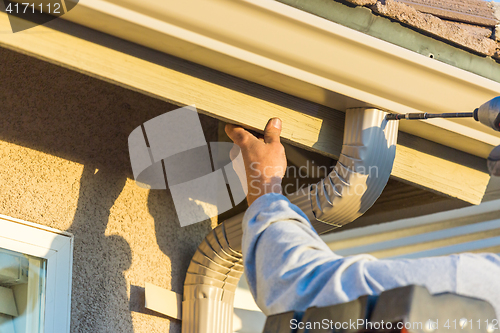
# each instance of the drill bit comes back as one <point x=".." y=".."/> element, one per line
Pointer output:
<point x="413" y="116"/>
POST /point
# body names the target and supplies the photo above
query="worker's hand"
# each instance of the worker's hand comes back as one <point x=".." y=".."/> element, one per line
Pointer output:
<point x="264" y="158"/>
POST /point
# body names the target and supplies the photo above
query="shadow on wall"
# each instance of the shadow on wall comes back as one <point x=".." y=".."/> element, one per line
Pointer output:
<point x="75" y="117"/>
<point x="99" y="260"/>
<point x="175" y="241"/>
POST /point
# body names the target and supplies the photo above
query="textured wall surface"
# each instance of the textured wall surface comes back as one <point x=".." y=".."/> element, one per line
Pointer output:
<point x="64" y="163"/>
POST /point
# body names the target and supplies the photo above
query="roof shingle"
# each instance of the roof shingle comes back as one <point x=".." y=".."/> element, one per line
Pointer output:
<point x="471" y="24"/>
<point x="476" y="12"/>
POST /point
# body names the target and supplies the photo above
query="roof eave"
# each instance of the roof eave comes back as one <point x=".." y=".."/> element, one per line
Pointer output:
<point x="307" y="56"/>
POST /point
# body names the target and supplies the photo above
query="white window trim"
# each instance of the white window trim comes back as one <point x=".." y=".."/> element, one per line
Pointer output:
<point x="57" y="248"/>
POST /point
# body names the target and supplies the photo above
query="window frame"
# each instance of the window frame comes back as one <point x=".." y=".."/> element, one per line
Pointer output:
<point x="56" y="247"/>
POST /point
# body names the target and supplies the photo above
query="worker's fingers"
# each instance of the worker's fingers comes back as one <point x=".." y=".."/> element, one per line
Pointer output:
<point x="238" y="134"/>
<point x="272" y="131"/>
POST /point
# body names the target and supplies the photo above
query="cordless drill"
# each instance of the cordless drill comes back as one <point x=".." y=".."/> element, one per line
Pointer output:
<point x="487" y="114"/>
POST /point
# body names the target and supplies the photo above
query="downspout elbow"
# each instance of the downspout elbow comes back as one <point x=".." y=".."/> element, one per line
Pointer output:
<point x="360" y="175"/>
<point x="211" y="280"/>
<point x="352" y="187"/>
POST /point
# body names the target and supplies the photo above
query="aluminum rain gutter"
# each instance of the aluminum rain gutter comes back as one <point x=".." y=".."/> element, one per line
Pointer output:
<point x="345" y="194"/>
<point x="304" y="55"/>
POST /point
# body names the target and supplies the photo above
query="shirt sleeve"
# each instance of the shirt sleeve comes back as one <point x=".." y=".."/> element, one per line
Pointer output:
<point x="289" y="267"/>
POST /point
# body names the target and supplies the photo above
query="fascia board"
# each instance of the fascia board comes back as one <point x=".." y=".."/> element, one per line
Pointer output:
<point x="304" y="55"/>
<point x="305" y="124"/>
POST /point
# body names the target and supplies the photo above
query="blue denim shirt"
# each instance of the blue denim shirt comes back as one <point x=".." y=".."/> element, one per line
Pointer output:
<point x="289" y="267"/>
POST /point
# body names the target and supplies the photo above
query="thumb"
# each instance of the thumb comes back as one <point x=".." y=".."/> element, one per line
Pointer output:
<point x="272" y="131"/>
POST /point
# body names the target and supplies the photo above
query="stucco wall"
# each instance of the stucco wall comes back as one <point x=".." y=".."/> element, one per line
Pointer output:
<point x="64" y="163"/>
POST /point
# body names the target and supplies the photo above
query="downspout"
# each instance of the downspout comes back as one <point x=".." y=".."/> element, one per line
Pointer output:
<point x="360" y="175"/>
<point x="353" y="186"/>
